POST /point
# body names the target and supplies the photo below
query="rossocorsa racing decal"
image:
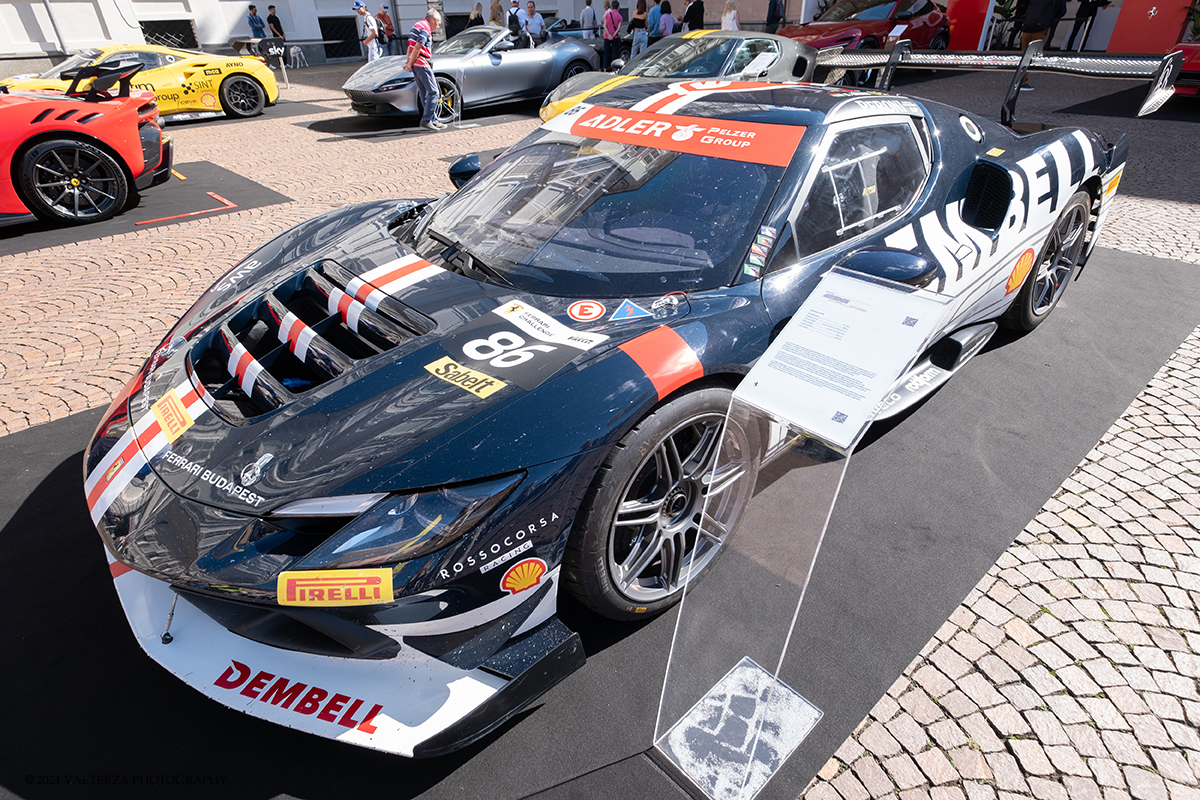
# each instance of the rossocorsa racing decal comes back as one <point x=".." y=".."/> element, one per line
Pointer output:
<point x="668" y="361"/>
<point x="751" y="142"/>
<point x="518" y="343"/>
<point x="144" y="440"/>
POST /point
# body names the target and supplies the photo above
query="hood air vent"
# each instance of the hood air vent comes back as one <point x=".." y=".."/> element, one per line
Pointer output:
<point x="304" y="333"/>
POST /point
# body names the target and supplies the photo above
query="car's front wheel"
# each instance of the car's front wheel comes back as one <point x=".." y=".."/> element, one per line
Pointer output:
<point x="449" y="101"/>
<point x="1043" y="286"/>
<point x="639" y="537"/>
<point x="71" y="181"/>
<point x="575" y="68"/>
<point x="242" y="96"/>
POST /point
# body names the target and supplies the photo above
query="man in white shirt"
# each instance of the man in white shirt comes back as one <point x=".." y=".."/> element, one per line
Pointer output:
<point x="534" y="24"/>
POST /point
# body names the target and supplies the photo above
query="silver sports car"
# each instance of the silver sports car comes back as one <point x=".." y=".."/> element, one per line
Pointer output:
<point x="480" y="66"/>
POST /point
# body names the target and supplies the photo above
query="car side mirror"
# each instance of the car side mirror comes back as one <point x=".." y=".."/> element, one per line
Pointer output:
<point x="617" y="65"/>
<point x="464" y="169"/>
<point x="900" y="266"/>
<point x="904" y="15"/>
<point x="503" y="46"/>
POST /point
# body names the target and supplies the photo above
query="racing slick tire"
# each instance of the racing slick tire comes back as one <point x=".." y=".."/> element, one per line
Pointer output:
<point x="1050" y="274"/>
<point x="638" y="532"/>
<point x="72" y="181"/>
<point x="242" y="96"/>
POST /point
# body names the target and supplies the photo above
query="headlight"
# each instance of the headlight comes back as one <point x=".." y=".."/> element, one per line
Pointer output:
<point x="403" y="527"/>
<point x="394" y="85"/>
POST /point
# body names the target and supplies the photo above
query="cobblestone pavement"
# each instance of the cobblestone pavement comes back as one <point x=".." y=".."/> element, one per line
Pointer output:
<point x="1070" y="671"/>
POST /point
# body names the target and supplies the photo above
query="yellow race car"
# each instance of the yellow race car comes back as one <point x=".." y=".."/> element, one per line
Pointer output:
<point x="189" y="84"/>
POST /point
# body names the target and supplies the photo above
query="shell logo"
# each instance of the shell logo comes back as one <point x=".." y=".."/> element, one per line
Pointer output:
<point x="1024" y="264"/>
<point x="523" y="575"/>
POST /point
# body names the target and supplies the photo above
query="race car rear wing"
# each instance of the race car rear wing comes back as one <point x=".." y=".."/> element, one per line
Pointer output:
<point x="1161" y="71"/>
<point x="105" y="76"/>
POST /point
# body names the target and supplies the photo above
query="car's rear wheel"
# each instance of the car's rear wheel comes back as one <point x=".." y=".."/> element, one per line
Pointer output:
<point x="575" y="68"/>
<point x="242" y="96"/>
<point x="449" y="101"/>
<point x="1050" y="274"/>
<point x="940" y="41"/>
<point x="71" y="181"/>
<point x="639" y="536"/>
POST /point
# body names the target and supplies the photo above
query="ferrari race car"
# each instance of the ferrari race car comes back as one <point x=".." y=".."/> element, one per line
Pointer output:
<point x="693" y="56"/>
<point x="189" y="85"/>
<point x="346" y="492"/>
<point x="478" y="67"/>
<point x="80" y="156"/>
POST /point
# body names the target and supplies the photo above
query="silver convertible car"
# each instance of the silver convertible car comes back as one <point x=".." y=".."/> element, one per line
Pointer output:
<point x="480" y="66"/>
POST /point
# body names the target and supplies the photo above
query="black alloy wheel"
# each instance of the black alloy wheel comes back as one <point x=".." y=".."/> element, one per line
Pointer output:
<point x="1049" y="276"/>
<point x="71" y="181"/>
<point x="242" y="96"/>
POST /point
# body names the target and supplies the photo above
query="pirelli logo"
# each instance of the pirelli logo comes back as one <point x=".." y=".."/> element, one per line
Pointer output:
<point x="334" y="587"/>
<point x="474" y="382"/>
<point x="172" y="417"/>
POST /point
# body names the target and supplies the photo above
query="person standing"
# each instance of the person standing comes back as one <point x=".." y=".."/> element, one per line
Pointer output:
<point x="774" y="15"/>
<point x="1087" y="10"/>
<point x="612" y="33"/>
<point x="420" y="50"/>
<point x="370" y="31"/>
<point x="693" y="16"/>
<point x="729" y="19"/>
<point x="637" y="26"/>
<point x="389" y="29"/>
<point x="666" y="23"/>
<point x="496" y="14"/>
<point x="274" y="25"/>
<point x="1039" y="16"/>
<point x="535" y="25"/>
<point x="587" y="20"/>
<point x="258" y="28"/>
<point x="653" y="18"/>
<point x="476" y="18"/>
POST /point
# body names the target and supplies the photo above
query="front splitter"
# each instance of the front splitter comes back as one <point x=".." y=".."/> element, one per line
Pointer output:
<point x="409" y="705"/>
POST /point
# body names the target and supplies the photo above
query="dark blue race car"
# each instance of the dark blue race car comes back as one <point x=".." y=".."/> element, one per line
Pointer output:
<point x="347" y="491"/>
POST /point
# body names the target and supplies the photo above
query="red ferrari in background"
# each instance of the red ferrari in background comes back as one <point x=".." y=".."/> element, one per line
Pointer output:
<point x="870" y="23"/>
<point x="1188" y="81"/>
<point x="80" y="156"/>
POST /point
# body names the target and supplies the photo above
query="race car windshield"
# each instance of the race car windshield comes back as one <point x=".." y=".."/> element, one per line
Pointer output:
<point x="685" y="58"/>
<point x="577" y="217"/>
<point x="858" y="9"/>
<point x="80" y="59"/>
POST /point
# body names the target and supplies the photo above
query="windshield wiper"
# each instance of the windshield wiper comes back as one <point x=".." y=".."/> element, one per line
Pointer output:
<point x="462" y="261"/>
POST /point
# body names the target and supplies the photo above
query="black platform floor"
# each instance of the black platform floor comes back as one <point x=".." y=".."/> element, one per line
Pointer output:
<point x="926" y="509"/>
<point x="161" y="205"/>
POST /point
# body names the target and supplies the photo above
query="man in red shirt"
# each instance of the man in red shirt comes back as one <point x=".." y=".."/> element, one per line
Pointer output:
<point x="420" y="44"/>
<point x="385" y="20"/>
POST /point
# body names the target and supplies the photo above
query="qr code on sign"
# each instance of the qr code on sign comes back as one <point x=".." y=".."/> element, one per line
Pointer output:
<point x="839" y="417"/>
<point x="909" y="322"/>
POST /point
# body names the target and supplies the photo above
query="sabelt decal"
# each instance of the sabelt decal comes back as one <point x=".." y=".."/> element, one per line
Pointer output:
<point x="752" y="142"/>
<point x="172" y="417"/>
<point x="1020" y="270"/>
<point x="330" y="588"/>
<point x="668" y="361"/>
<point x="523" y="575"/>
<point x="517" y="342"/>
<point x="333" y="707"/>
<point x="144" y="440"/>
<point x="474" y="382"/>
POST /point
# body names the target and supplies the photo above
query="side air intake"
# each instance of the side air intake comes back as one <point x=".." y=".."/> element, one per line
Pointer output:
<point x="988" y="195"/>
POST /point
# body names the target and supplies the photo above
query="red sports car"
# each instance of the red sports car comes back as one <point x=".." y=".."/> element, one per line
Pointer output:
<point x="1188" y="81"/>
<point x="80" y="156"/>
<point x="870" y="23"/>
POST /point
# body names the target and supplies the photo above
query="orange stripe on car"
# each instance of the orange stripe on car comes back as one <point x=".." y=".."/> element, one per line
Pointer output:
<point x="668" y="361"/>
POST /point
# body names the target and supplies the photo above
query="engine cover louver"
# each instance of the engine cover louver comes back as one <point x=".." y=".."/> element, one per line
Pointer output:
<point x="305" y="332"/>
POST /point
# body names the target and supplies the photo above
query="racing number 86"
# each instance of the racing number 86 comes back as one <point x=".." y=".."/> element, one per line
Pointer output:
<point x="503" y="349"/>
